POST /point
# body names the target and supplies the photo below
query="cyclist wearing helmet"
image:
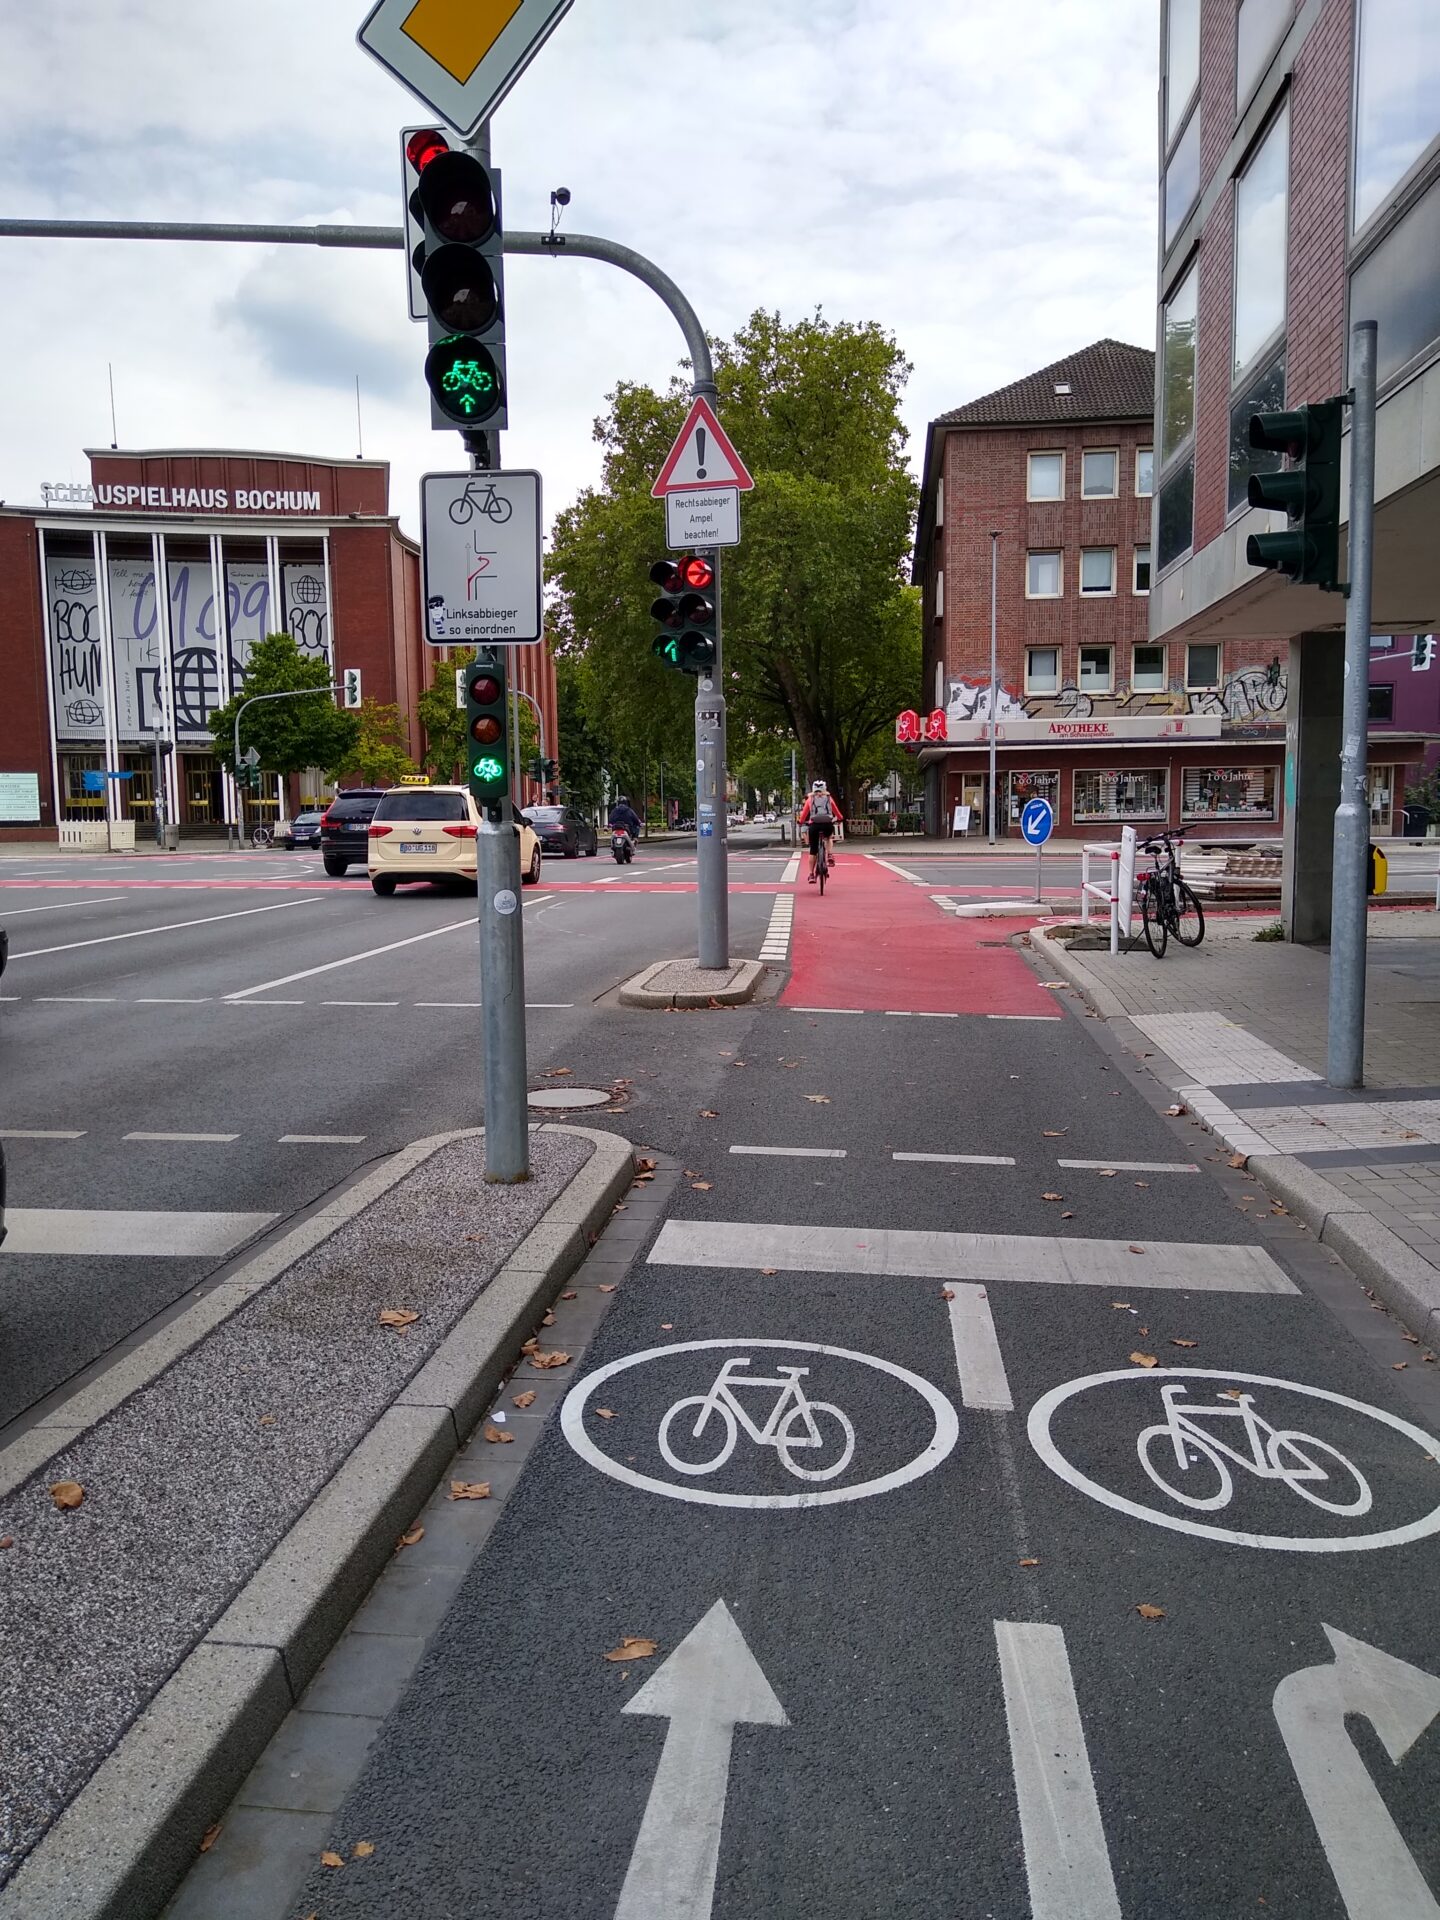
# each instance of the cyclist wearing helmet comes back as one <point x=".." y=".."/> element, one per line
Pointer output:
<point x="820" y="813"/>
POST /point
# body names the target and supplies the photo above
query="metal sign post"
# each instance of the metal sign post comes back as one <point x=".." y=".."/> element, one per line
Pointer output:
<point x="1037" y="823"/>
<point x="712" y="818"/>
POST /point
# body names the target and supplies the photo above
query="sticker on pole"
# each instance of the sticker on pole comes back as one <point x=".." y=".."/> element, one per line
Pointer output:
<point x="702" y="456"/>
<point x="1037" y="822"/>
<point x="759" y="1423"/>
<point x="1242" y="1458"/>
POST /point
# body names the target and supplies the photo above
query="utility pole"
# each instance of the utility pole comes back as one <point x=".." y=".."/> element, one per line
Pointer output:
<point x="1345" y="1057"/>
<point x="712" y="820"/>
<point x="994" y="553"/>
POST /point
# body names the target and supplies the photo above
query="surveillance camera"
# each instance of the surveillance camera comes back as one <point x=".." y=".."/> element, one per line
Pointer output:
<point x="560" y="197"/>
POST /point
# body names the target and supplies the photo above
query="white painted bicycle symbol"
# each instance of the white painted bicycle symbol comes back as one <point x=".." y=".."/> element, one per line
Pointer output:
<point x="1180" y="1447"/>
<point x="796" y="1425"/>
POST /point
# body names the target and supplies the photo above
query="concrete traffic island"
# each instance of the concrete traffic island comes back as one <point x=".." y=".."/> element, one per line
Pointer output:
<point x="243" y="1477"/>
<point x="685" y="983"/>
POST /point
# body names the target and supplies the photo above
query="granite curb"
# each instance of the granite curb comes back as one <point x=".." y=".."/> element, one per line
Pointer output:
<point x="126" y="1840"/>
<point x="651" y="987"/>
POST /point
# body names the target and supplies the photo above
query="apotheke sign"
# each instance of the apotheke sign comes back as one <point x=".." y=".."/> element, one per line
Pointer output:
<point x="937" y="729"/>
<point x="182" y="499"/>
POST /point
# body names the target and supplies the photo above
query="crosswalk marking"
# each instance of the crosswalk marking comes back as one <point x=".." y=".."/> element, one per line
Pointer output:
<point x="92" y="1231"/>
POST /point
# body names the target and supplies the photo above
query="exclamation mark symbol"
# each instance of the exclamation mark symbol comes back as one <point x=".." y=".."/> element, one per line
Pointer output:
<point x="700" y="453"/>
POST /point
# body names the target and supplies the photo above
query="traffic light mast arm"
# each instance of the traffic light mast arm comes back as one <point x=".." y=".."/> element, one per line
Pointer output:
<point x="291" y="693"/>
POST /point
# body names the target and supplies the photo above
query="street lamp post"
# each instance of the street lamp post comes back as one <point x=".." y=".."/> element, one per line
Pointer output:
<point x="994" y="552"/>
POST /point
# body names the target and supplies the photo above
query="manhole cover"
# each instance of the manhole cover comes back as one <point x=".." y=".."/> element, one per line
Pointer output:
<point x="571" y="1097"/>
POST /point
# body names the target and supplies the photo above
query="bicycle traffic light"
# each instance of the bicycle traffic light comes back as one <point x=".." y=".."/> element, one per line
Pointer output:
<point x="686" y="612"/>
<point x="455" y="208"/>
<point x="487" y="747"/>
<point x="1307" y="492"/>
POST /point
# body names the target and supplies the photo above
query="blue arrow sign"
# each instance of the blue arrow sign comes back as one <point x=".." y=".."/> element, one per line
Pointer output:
<point x="1037" y="822"/>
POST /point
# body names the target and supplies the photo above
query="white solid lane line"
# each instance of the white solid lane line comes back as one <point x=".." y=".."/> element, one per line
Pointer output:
<point x="351" y="960"/>
<point x="359" y="1003"/>
<point x="447" y="1003"/>
<point x="1067" y="1862"/>
<point x="322" y="1139"/>
<point x="58" y="906"/>
<point x="796" y="1153"/>
<point x="903" y="872"/>
<point x="173" y="926"/>
<point x="87" y="1230"/>
<point x="39" y="1133"/>
<point x="959" y="1159"/>
<point x="1133" y="1166"/>
<point x="218" y="1138"/>
<point x="1024" y="1016"/>
<point x="166" y="1001"/>
<point x="1015" y="1257"/>
<point x="983" y="1382"/>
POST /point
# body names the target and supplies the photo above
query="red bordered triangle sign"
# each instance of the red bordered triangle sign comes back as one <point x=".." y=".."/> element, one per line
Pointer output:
<point x="702" y="456"/>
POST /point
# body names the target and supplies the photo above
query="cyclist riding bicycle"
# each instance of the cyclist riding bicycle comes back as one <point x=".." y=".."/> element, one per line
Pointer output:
<point x="819" y="814"/>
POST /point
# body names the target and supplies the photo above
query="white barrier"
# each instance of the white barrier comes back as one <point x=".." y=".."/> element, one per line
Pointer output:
<point x="1119" y="894"/>
<point x="84" y="833"/>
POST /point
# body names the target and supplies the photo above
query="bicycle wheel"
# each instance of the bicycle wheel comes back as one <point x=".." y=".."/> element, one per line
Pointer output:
<point x="1152" y="917"/>
<point x="822" y="867"/>
<point x="1195" y="1451"/>
<point x="1306" y="1445"/>
<point x="462" y="511"/>
<point x="835" y="1429"/>
<point x="499" y="509"/>
<point x="703" y="1406"/>
<point x="261" y="837"/>
<point x="1188" y="925"/>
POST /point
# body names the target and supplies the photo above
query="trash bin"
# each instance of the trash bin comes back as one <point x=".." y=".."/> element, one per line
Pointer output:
<point x="1417" y="820"/>
<point x="170" y="840"/>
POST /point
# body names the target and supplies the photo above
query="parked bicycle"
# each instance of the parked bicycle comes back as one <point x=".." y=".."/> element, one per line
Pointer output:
<point x="262" y="836"/>
<point x="1167" y="904"/>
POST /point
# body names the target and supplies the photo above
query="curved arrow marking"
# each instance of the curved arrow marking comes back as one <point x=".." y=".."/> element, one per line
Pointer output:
<point x="1373" y="1868"/>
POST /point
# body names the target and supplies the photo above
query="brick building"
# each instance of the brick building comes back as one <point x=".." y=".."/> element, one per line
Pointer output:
<point x="1091" y="714"/>
<point x="1299" y="192"/>
<point x="97" y="662"/>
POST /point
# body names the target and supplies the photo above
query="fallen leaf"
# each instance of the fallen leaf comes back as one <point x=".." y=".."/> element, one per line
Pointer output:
<point x="571" y="1295"/>
<point x="363" y="1849"/>
<point x="643" y="1164"/>
<point x="497" y="1436"/>
<point x="1053" y="1133"/>
<point x="530" y="1345"/>
<point x="708" y="1113"/>
<point x="605" y="1413"/>
<point x="1142" y="1183"/>
<point x="1052" y="1196"/>
<point x="474" y="1236"/>
<point x="667" y="1326"/>
<point x="409" y="1539"/>
<point x="1143" y="1331"/>
<point x="210" y="1836"/>
<point x="609" y="1287"/>
<point x="328" y="1859"/>
<point x="643" y="1179"/>
<point x="266" y="1420"/>
<point x="634" y="1647"/>
<point x="557" y="1073"/>
<point x="397" y="1317"/>
<point x="1052" y="985"/>
<point x="1229" y="1393"/>
<point x="1413" y="1338"/>
<point x="67" y="1494"/>
<point x="1106" y="1173"/>
<point x="818" y="1099"/>
<point x="544" y="1361"/>
<point x="1239" y="1161"/>
<point x="549" y="1320"/>
<point x="1135" y="1249"/>
<point x="469" y="1489"/>
<point x="1176" y="1110"/>
<point x="526" y="1399"/>
<point x="701" y="1186"/>
<point x="1067" y="1216"/>
<point x="1123" y="1305"/>
<point x="1399" y="1366"/>
<point x="1029" y="1563"/>
<point x="1147" y="1612"/>
<point x="620" y="1206"/>
<point x="947" y="1293"/>
<point x="1184" y="1343"/>
<point x="9" y="1539"/>
<point x="1144" y="1359"/>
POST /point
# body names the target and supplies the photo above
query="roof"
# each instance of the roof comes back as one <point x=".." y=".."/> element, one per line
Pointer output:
<point x="1109" y="380"/>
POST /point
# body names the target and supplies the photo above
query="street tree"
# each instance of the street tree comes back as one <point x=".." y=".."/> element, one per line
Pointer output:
<point x="289" y="735"/>
<point x="380" y="754"/>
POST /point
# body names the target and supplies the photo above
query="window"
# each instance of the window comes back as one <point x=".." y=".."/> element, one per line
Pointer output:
<point x="1202" y="666"/>
<point x="1177" y="514"/>
<point x="940" y="501"/>
<point x="1043" y="578"/>
<point x="1227" y="793"/>
<point x="1141" y="582"/>
<point x="1095" y="669"/>
<point x="1042" y="669"/>
<point x="1398" y="286"/>
<point x="1144" y="472"/>
<point x="1397" y="95"/>
<point x="1046" y="477"/>
<point x="1038" y="783"/>
<point x="422" y="803"/>
<point x="1182" y="61"/>
<point x="1147" y="673"/>
<point x="1258" y="30"/>
<point x="1261" y="207"/>
<point x="1177" y="396"/>
<point x="1110" y="794"/>
<point x="1182" y="180"/>
<point x="1265" y="394"/>
<point x="939" y="596"/>
<point x="1097" y="570"/>
<point x="1382" y="701"/>
<point x="1099" y="476"/>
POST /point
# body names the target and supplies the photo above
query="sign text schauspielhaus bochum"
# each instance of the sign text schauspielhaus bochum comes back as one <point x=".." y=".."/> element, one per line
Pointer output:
<point x="183" y="499"/>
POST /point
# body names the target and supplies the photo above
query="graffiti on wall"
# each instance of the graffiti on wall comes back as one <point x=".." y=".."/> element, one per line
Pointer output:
<point x="1253" y="695"/>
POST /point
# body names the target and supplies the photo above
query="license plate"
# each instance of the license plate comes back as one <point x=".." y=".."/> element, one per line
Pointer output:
<point x="417" y="846"/>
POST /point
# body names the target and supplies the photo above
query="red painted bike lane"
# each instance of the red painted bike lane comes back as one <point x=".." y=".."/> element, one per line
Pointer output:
<point x="878" y="942"/>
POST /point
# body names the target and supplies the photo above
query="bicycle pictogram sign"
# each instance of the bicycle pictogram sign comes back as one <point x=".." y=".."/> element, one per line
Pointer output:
<point x="794" y="1427"/>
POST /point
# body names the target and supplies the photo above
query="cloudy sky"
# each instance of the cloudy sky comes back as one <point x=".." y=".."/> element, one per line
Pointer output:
<point x="977" y="175"/>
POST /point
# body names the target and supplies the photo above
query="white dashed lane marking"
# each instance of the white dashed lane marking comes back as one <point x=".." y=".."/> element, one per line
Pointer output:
<point x="217" y="1139"/>
<point x="959" y="1159"/>
<point x="1132" y="1166"/>
<point x="796" y="1153"/>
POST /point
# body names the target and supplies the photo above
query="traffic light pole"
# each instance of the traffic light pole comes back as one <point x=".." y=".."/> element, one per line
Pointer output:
<point x="711" y="813"/>
<point x="1345" y="1057"/>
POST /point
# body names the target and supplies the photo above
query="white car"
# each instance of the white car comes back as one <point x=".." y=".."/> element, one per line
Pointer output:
<point x="428" y="833"/>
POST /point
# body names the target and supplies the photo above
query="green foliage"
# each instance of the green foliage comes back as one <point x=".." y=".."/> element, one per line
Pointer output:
<point x="1426" y="793"/>
<point x="289" y="735"/>
<point x="1275" y="930"/>
<point x="380" y="755"/>
<point x="581" y="751"/>
<point x="821" y="633"/>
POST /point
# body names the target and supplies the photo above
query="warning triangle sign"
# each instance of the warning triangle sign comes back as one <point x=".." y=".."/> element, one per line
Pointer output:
<point x="702" y="456"/>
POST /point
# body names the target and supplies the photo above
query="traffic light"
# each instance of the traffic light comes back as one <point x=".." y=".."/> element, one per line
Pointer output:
<point x="487" y="749"/>
<point x="1424" y="653"/>
<point x="1307" y="492"/>
<point x="686" y="613"/>
<point x="456" y="208"/>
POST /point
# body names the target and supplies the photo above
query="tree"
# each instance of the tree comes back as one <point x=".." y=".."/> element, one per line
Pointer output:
<point x="379" y="755"/>
<point x="289" y="735"/>
<point x="822" y="634"/>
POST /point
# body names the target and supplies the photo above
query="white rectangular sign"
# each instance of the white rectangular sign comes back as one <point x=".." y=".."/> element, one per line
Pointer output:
<point x="481" y="558"/>
<point x="20" y="797"/>
<point x="703" y="519"/>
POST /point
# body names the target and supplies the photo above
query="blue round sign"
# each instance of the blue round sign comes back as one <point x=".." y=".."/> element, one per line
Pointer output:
<point x="1037" y="822"/>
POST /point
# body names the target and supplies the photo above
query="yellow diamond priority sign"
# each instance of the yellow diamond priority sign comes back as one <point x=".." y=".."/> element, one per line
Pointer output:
<point x="460" y="57"/>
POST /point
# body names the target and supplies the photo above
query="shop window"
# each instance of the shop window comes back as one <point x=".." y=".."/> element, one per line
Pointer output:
<point x="1095" y="669"/>
<point x="1045" y="477"/>
<point x="1097" y="570"/>
<point x="1042" y="669"/>
<point x="1113" y="794"/>
<point x="1381" y="785"/>
<point x="1147" y="671"/>
<point x="1202" y="666"/>
<point x="1141" y="580"/>
<point x="1228" y="793"/>
<point x="1044" y="576"/>
<point x="1144" y="472"/>
<point x="1099" y="475"/>
<point x="1034" y="784"/>
<point x="1382" y="701"/>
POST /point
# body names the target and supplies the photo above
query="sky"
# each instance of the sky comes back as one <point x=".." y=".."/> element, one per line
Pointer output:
<point x="976" y="175"/>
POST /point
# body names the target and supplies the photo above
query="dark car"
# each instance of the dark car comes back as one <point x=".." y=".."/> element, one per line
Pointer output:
<point x="563" y="830"/>
<point x="304" y="829"/>
<point x="345" y="828"/>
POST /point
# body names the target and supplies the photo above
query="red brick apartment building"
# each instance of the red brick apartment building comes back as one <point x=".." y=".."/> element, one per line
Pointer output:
<point x="247" y="544"/>
<point x="1091" y="713"/>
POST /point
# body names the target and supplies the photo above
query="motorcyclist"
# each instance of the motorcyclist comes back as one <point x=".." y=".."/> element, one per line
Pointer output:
<point x="624" y="817"/>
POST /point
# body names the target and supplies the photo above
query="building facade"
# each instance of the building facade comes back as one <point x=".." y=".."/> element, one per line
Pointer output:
<point x="110" y="677"/>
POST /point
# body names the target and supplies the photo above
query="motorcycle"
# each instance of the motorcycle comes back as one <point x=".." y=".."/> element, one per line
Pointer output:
<point x="621" y="846"/>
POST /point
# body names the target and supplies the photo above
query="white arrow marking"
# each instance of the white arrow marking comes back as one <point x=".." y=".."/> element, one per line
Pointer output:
<point x="1373" y="1868"/>
<point x="710" y="1684"/>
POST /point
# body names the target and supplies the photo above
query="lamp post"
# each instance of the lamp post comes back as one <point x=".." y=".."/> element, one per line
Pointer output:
<point x="994" y="553"/>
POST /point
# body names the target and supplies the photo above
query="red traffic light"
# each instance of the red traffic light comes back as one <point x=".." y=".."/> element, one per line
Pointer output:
<point x="423" y="147"/>
<point x="486" y="730"/>
<point x="666" y="574"/>
<point x="697" y="573"/>
<point x="458" y="197"/>
<point x="484" y="689"/>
